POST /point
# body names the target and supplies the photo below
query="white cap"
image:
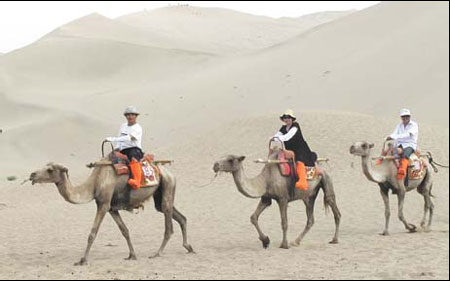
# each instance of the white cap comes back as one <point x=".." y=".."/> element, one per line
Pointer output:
<point x="131" y="110"/>
<point x="405" y="112"/>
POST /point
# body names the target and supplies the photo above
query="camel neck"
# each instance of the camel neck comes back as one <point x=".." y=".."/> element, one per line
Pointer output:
<point x="76" y="195"/>
<point x="252" y="188"/>
<point x="369" y="171"/>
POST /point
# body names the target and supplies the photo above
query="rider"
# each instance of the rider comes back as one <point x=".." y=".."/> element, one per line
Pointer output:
<point x="291" y="135"/>
<point x="129" y="142"/>
<point x="405" y="136"/>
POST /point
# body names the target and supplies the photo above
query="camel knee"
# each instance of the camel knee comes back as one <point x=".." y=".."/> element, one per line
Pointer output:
<point x="126" y="233"/>
<point x="168" y="234"/>
<point x="284" y="226"/>
<point x="310" y="223"/>
<point x="254" y="220"/>
<point x="91" y="238"/>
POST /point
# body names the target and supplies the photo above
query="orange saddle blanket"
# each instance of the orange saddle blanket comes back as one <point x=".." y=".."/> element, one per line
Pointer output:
<point x="150" y="172"/>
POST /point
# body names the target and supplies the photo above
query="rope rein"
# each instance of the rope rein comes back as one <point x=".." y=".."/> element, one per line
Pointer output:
<point x="212" y="181"/>
<point x="434" y="163"/>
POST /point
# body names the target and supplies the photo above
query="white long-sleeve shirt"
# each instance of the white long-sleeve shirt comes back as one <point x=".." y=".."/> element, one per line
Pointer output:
<point x="287" y="136"/>
<point x="129" y="136"/>
<point x="406" y="136"/>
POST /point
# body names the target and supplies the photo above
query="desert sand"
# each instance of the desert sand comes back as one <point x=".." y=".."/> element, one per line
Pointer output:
<point x="204" y="95"/>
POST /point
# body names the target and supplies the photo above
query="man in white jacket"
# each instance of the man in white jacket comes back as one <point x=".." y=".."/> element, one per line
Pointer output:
<point x="129" y="142"/>
<point x="405" y="135"/>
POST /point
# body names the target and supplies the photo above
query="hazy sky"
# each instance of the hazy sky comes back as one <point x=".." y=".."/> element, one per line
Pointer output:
<point x="23" y="22"/>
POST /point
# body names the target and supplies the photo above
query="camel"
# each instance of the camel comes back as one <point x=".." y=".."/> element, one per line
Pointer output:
<point x="112" y="194"/>
<point x="270" y="184"/>
<point x="385" y="175"/>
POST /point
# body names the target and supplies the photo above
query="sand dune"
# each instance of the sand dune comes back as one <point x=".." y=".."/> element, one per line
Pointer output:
<point x="339" y="65"/>
<point x="204" y="29"/>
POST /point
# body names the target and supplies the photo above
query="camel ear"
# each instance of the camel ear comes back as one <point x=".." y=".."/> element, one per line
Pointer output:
<point x="242" y="158"/>
<point x="372" y="145"/>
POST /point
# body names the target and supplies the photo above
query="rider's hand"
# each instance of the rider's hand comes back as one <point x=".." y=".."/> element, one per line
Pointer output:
<point x="109" y="139"/>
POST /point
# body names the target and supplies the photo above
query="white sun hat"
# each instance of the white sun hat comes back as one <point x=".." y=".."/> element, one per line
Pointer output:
<point x="131" y="110"/>
<point x="405" y="112"/>
<point x="290" y="113"/>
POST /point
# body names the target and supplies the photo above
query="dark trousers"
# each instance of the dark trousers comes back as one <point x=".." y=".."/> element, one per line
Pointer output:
<point x="407" y="152"/>
<point x="133" y="152"/>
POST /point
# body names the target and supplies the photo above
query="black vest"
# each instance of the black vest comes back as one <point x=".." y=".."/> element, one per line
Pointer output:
<point x="298" y="144"/>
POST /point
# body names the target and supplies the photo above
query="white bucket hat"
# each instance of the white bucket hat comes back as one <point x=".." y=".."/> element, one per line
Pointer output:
<point x="131" y="110"/>
<point x="289" y="113"/>
<point x="405" y="112"/>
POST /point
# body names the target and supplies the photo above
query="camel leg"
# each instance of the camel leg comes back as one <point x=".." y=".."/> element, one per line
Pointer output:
<point x="101" y="212"/>
<point x="310" y="214"/>
<point x="123" y="228"/>
<point x="167" y="209"/>
<point x="429" y="207"/>
<point x="337" y="219"/>
<point x="263" y="204"/>
<point x="330" y="200"/>
<point x="401" y="201"/>
<point x="168" y="214"/>
<point x="387" y="210"/>
<point x="183" y="224"/>
<point x="425" y="212"/>
<point x="283" y="203"/>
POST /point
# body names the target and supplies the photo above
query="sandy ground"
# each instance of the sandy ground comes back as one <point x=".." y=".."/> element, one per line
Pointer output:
<point x="42" y="235"/>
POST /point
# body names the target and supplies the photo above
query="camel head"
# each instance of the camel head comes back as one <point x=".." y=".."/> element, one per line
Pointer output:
<point x="230" y="164"/>
<point x="388" y="147"/>
<point x="51" y="173"/>
<point x="361" y="148"/>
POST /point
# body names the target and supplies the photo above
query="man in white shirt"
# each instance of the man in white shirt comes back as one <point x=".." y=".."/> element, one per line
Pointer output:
<point x="129" y="142"/>
<point x="405" y="135"/>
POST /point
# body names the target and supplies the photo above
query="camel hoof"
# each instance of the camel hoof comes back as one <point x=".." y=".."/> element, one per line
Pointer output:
<point x="385" y="233"/>
<point x="131" y="258"/>
<point x="412" y="228"/>
<point x="284" y="246"/>
<point x="334" y="241"/>
<point x="82" y="262"/>
<point x="266" y="242"/>
<point x="189" y="249"/>
<point x="158" y="255"/>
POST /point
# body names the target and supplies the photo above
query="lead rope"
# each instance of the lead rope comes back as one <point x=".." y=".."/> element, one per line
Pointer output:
<point x="434" y="163"/>
<point x="212" y="181"/>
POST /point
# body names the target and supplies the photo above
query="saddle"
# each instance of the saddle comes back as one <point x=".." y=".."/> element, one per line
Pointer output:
<point x="151" y="173"/>
<point x="417" y="167"/>
<point x="288" y="170"/>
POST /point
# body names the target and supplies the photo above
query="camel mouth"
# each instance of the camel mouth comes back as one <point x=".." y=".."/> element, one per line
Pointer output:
<point x="216" y="168"/>
<point x="32" y="178"/>
<point x="353" y="150"/>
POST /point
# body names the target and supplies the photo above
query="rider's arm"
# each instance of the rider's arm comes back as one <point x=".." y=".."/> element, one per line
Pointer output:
<point x="119" y="139"/>
<point x="288" y="135"/>
<point x="412" y="132"/>
<point x="136" y="134"/>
